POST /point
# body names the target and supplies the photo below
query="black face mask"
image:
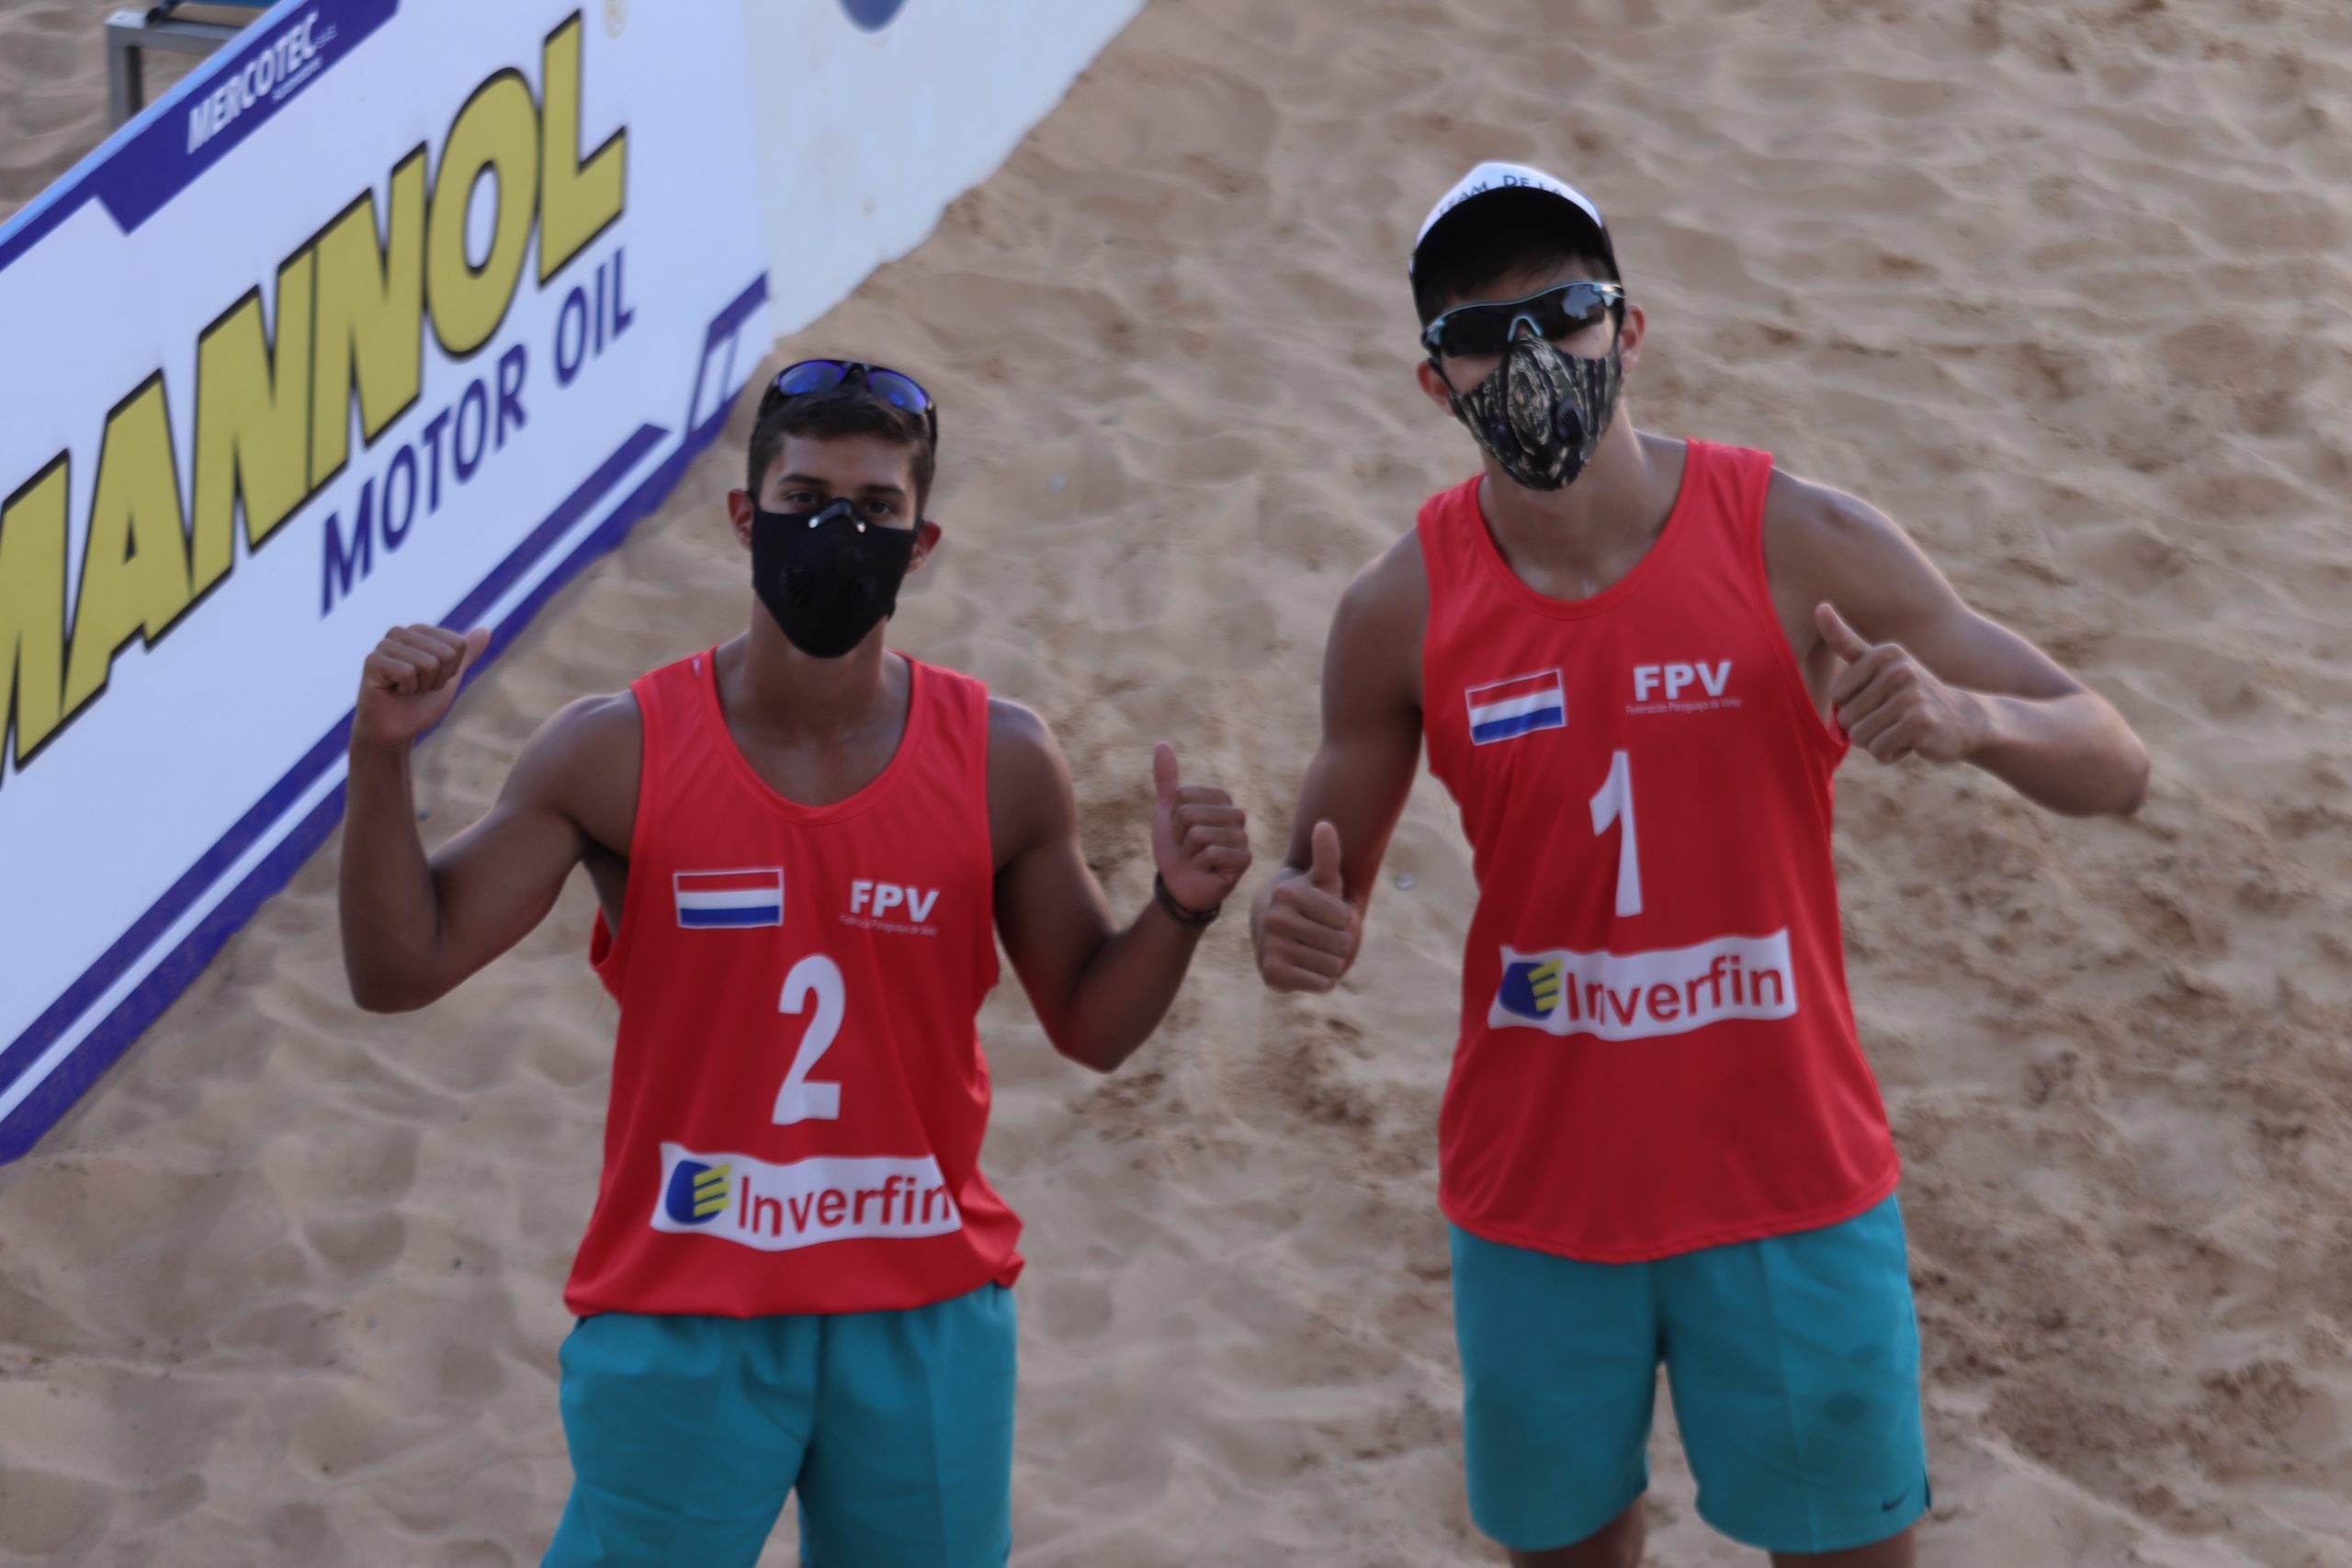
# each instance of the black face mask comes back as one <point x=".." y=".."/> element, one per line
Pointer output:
<point x="827" y="576"/>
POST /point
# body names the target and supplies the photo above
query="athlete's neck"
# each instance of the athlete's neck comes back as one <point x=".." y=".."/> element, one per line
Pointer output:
<point x="1573" y="542"/>
<point x="770" y="686"/>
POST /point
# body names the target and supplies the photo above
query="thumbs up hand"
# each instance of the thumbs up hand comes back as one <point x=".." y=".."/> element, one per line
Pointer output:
<point x="1200" y="840"/>
<point x="1309" y="935"/>
<point x="1891" y="705"/>
<point x="1324" y="870"/>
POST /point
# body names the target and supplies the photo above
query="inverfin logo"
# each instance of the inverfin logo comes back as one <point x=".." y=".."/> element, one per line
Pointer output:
<point x="1530" y="988"/>
<point x="696" y="1192"/>
<point x="805" y="1202"/>
<point x="1638" y="995"/>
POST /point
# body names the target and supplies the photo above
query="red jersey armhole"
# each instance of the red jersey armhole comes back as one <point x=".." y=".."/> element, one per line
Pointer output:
<point x="1430" y="525"/>
<point x="608" y="948"/>
<point x="983" y="834"/>
<point x="1438" y="527"/>
<point x="1754" y="483"/>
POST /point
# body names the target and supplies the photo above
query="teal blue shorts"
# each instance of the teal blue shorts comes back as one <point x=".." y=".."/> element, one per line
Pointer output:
<point x="1793" y="1361"/>
<point x="894" y="1428"/>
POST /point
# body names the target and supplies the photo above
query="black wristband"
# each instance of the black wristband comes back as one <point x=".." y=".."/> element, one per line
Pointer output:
<point x="1177" y="912"/>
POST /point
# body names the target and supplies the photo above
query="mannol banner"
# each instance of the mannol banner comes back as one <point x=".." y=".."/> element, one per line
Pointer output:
<point x="391" y="311"/>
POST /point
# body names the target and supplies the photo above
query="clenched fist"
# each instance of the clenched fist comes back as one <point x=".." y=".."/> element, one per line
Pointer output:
<point x="410" y="681"/>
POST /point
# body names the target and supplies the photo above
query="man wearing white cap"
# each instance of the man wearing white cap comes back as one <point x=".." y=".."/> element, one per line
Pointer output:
<point x="1636" y="662"/>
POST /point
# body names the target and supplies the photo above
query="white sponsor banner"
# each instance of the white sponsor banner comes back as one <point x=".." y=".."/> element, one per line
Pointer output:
<point x="873" y="115"/>
<point x="391" y="311"/>
<point x="1638" y="995"/>
<point x="781" y="1208"/>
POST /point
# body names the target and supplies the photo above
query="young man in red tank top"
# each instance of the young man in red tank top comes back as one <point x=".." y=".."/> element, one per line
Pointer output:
<point x="1636" y="662"/>
<point x="795" y="1278"/>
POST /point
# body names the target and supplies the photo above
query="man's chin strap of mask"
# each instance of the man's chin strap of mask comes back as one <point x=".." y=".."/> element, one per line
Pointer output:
<point x="1542" y="414"/>
<point x="827" y="576"/>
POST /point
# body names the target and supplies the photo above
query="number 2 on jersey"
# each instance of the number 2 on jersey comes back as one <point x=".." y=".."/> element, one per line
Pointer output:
<point x="798" y="1100"/>
<point x="1614" y="803"/>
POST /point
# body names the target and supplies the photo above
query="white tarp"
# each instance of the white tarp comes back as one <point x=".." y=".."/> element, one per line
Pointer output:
<point x="888" y="113"/>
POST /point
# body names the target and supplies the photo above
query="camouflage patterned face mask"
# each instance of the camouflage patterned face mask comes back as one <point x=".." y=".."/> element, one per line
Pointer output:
<point x="1542" y="413"/>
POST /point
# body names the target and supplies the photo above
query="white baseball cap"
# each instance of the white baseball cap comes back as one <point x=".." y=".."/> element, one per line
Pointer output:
<point x="1492" y="176"/>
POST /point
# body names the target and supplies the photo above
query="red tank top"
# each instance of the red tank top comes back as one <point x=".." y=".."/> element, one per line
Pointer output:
<point x="799" y="1093"/>
<point x="1658" y="1052"/>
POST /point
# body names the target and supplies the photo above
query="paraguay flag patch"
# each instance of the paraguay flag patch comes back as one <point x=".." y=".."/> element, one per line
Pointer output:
<point x="1516" y="706"/>
<point x="727" y="899"/>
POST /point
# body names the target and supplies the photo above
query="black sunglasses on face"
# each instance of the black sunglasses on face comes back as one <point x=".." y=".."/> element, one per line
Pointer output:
<point x="893" y="387"/>
<point x="1486" y="327"/>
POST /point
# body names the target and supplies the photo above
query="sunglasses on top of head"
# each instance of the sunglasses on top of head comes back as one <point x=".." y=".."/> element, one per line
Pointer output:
<point x="1470" y="332"/>
<point x="893" y="387"/>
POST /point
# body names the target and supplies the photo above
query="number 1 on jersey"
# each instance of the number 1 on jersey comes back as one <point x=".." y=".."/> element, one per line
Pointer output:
<point x="1614" y="803"/>
<point x="798" y="1100"/>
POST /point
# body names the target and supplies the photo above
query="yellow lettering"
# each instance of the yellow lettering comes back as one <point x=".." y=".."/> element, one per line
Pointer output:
<point x="32" y="607"/>
<point x="134" y="563"/>
<point x="252" y="420"/>
<point x="369" y="336"/>
<point x="497" y="132"/>
<point x="577" y="197"/>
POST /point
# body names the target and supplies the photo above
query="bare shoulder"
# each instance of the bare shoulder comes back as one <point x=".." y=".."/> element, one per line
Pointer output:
<point x="583" y="764"/>
<point x="1823" y="546"/>
<point x="1372" y="661"/>
<point x="1392" y="594"/>
<point x="1822" y="543"/>
<point x="596" y="733"/>
<point x="1018" y="739"/>
<point x="1803" y="515"/>
<point x="1029" y="788"/>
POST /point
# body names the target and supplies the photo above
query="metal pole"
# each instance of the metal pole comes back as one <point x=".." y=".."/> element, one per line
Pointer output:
<point x="126" y="82"/>
<point x="130" y="32"/>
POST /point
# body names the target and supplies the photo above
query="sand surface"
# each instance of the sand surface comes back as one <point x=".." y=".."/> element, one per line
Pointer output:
<point x="54" y="86"/>
<point x="2060" y="285"/>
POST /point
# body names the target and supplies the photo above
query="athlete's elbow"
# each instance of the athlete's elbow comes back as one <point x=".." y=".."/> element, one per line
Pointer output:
<point x="374" y="991"/>
<point x="2119" y="789"/>
<point x="1087" y="1055"/>
<point x="384" y="999"/>
<point x="2122" y="770"/>
<point x="377" y="1000"/>
<point x="2134" y="791"/>
<point x="1090" y="1049"/>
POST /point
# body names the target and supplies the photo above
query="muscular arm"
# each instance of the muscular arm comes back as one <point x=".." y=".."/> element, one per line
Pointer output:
<point x="1099" y="990"/>
<point x="413" y="927"/>
<point x="1926" y="674"/>
<point x="1309" y="918"/>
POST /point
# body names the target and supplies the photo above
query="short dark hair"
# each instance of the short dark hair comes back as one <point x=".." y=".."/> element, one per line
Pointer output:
<point x="1499" y="235"/>
<point x="850" y="409"/>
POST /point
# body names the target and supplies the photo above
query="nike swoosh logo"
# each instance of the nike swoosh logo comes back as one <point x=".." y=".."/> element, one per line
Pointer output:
<point x="1894" y="1502"/>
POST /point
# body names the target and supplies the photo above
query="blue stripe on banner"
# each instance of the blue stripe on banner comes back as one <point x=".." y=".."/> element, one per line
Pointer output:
<point x="24" y="1125"/>
<point x="761" y="915"/>
<point x="147" y="1001"/>
<point x="1519" y="724"/>
<point x="139" y="170"/>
